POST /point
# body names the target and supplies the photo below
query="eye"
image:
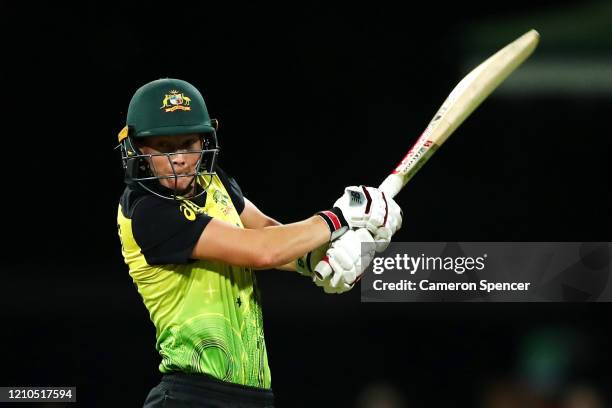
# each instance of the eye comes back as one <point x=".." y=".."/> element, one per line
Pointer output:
<point x="163" y="146"/>
<point x="192" y="144"/>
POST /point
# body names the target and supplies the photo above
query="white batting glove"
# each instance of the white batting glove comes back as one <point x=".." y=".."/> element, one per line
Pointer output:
<point x="382" y="235"/>
<point x="359" y="207"/>
<point x="305" y="265"/>
<point x="344" y="262"/>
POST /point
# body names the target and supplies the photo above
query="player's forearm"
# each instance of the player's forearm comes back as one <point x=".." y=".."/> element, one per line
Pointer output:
<point x="263" y="248"/>
<point x="262" y="221"/>
<point x="283" y="244"/>
<point x="287" y="267"/>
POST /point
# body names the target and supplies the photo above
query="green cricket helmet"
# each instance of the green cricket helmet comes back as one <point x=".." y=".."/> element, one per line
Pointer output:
<point x="167" y="107"/>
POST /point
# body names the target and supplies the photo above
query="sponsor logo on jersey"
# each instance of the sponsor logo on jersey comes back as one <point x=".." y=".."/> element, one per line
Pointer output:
<point x="223" y="201"/>
<point x="220" y="198"/>
<point x="175" y="100"/>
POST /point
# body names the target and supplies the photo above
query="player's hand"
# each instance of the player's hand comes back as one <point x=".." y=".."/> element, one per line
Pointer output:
<point x="305" y="265"/>
<point x="383" y="234"/>
<point x="359" y="207"/>
<point x="344" y="262"/>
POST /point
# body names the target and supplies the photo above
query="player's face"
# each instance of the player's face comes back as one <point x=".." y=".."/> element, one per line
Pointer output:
<point x="180" y="157"/>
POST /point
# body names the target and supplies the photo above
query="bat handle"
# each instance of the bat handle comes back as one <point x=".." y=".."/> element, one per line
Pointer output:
<point x="392" y="185"/>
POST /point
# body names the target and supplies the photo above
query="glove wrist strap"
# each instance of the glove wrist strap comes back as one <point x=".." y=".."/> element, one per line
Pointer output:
<point x="303" y="266"/>
<point x="335" y="221"/>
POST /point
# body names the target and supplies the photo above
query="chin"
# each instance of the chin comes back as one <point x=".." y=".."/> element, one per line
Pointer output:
<point x="180" y="186"/>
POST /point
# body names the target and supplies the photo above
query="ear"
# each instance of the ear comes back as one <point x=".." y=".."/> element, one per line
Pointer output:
<point x="215" y="124"/>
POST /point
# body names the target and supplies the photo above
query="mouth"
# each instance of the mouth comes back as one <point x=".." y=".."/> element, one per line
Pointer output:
<point x="177" y="175"/>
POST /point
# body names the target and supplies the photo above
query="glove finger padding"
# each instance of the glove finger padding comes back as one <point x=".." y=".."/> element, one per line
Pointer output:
<point x="382" y="238"/>
<point x="325" y="268"/>
<point x="348" y="251"/>
<point x="337" y="257"/>
<point x="378" y="212"/>
<point x="383" y="235"/>
<point x="322" y="272"/>
<point x="343" y="255"/>
<point x="334" y="280"/>
<point x="367" y="249"/>
<point x="344" y="279"/>
<point x="344" y="262"/>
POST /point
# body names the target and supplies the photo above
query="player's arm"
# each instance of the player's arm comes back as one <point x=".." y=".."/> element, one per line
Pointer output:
<point x="253" y="218"/>
<point x="277" y="245"/>
<point x="264" y="248"/>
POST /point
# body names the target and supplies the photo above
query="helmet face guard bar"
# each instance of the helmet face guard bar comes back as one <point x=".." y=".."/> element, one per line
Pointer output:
<point x="139" y="169"/>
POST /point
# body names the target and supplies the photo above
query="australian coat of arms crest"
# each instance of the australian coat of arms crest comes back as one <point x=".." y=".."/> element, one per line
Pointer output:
<point x="175" y="100"/>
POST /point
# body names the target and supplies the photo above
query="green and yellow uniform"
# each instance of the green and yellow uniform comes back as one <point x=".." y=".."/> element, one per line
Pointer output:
<point x="207" y="314"/>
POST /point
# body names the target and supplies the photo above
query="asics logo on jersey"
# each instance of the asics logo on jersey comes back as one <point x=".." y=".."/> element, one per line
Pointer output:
<point x="187" y="212"/>
<point x="190" y="210"/>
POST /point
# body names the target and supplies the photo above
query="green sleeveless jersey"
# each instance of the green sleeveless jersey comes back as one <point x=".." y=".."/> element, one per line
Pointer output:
<point x="207" y="314"/>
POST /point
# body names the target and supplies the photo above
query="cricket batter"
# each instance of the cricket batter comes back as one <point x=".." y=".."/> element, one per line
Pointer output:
<point x="191" y="241"/>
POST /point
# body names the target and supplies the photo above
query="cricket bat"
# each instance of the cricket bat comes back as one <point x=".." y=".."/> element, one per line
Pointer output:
<point x="459" y="104"/>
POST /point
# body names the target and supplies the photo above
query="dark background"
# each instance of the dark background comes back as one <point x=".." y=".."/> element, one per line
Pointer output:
<point x="310" y="98"/>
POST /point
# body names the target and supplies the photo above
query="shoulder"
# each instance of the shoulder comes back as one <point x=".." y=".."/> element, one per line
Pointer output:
<point x="164" y="232"/>
<point x="232" y="187"/>
<point x="224" y="176"/>
<point x="136" y="202"/>
<point x="131" y="197"/>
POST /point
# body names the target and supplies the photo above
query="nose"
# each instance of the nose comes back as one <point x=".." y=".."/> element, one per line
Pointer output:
<point x="178" y="159"/>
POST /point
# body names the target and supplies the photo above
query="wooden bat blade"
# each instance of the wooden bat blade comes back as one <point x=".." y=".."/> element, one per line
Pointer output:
<point x="467" y="95"/>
